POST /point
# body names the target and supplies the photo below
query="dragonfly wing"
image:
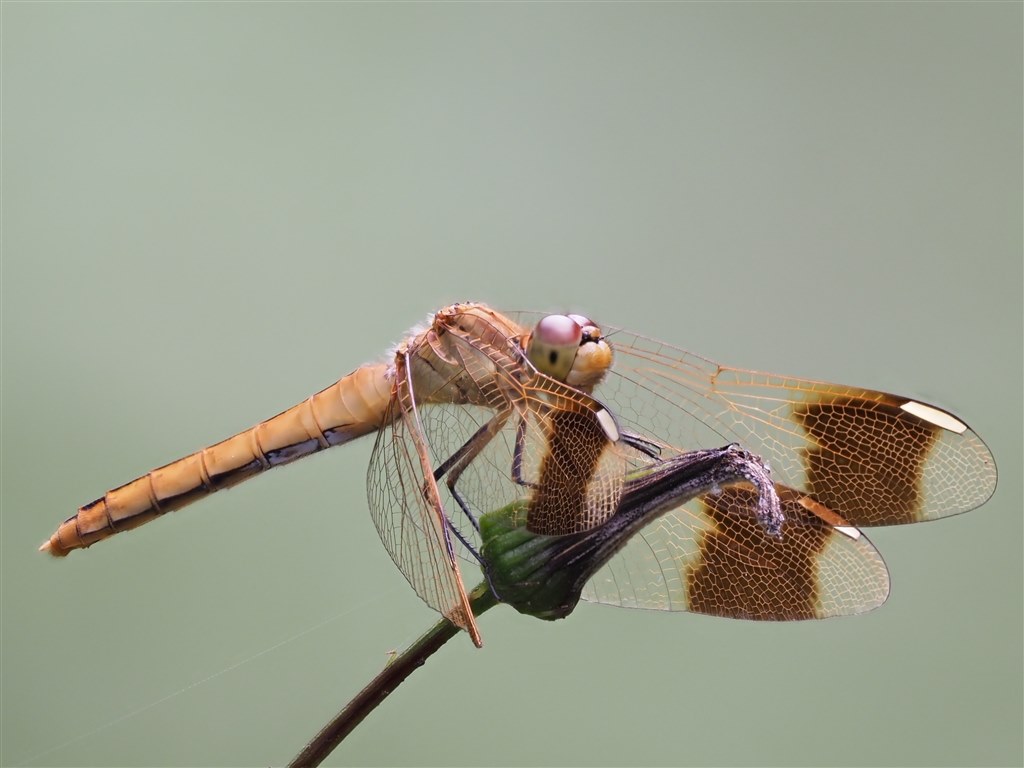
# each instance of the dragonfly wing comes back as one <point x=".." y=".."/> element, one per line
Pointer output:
<point x="407" y="511"/>
<point x="712" y="556"/>
<point x="579" y="469"/>
<point x="871" y="457"/>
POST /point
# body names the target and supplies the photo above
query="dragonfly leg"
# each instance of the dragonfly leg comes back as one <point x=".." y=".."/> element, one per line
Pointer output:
<point x="450" y="529"/>
<point x="450" y="526"/>
<point x="453" y="467"/>
<point x="641" y="443"/>
<point x="517" y="456"/>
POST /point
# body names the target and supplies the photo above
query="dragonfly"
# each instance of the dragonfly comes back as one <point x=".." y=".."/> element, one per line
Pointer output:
<point x="476" y="409"/>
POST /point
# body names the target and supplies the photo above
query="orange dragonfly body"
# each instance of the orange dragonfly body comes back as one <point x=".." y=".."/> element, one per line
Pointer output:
<point x="478" y="409"/>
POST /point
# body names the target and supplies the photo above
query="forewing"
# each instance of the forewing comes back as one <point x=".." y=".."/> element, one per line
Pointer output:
<point x="409" y="525"/>
<point x="712" y="556"/>
<point x="581" y="463"/>
<point x="871" y="457"/>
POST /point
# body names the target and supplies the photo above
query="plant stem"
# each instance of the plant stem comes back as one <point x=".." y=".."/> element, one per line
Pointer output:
<point x="378" y="689"/>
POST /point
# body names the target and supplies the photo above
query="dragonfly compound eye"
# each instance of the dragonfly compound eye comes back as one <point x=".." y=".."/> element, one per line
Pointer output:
<point x="582" y="320"/>
<point x="553" y="345"/>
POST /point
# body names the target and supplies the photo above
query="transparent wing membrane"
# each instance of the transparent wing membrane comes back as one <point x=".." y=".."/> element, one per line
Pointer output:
<point x="497" y="431"/>
<point x="841" y="457"/>
<point x="409" y="517"/>
<point x="712" y="556"/>
<point x="475" y="411"/>
<point x="871" y="457"/>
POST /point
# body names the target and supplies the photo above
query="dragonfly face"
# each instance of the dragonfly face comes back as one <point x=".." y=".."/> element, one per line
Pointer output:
<point x="480" y="410"/>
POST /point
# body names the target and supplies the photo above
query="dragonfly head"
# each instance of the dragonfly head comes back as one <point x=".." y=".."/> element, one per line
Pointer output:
<point x="569" y="348"/>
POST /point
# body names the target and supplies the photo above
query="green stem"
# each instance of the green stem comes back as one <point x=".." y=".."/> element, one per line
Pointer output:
<point x="378" y="689"/>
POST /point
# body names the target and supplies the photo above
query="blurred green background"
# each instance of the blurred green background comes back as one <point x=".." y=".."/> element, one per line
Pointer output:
<point x="212" y="210"/>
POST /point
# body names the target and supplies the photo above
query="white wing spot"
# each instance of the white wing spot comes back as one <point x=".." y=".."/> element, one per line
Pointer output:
<point x="607" y="422"/>
<point x="848" y="530"/>
<point x="934" y="416"/>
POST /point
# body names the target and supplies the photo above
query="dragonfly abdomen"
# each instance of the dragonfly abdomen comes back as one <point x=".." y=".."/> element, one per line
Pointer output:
<point x="353" y="406"/>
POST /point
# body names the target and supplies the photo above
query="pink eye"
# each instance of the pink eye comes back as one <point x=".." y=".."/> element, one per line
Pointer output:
<point x="583" y="322"/>
<point x="560" y="330"/>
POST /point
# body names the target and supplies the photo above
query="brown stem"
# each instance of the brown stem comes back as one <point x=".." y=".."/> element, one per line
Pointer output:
<point x="378" y="689"/>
